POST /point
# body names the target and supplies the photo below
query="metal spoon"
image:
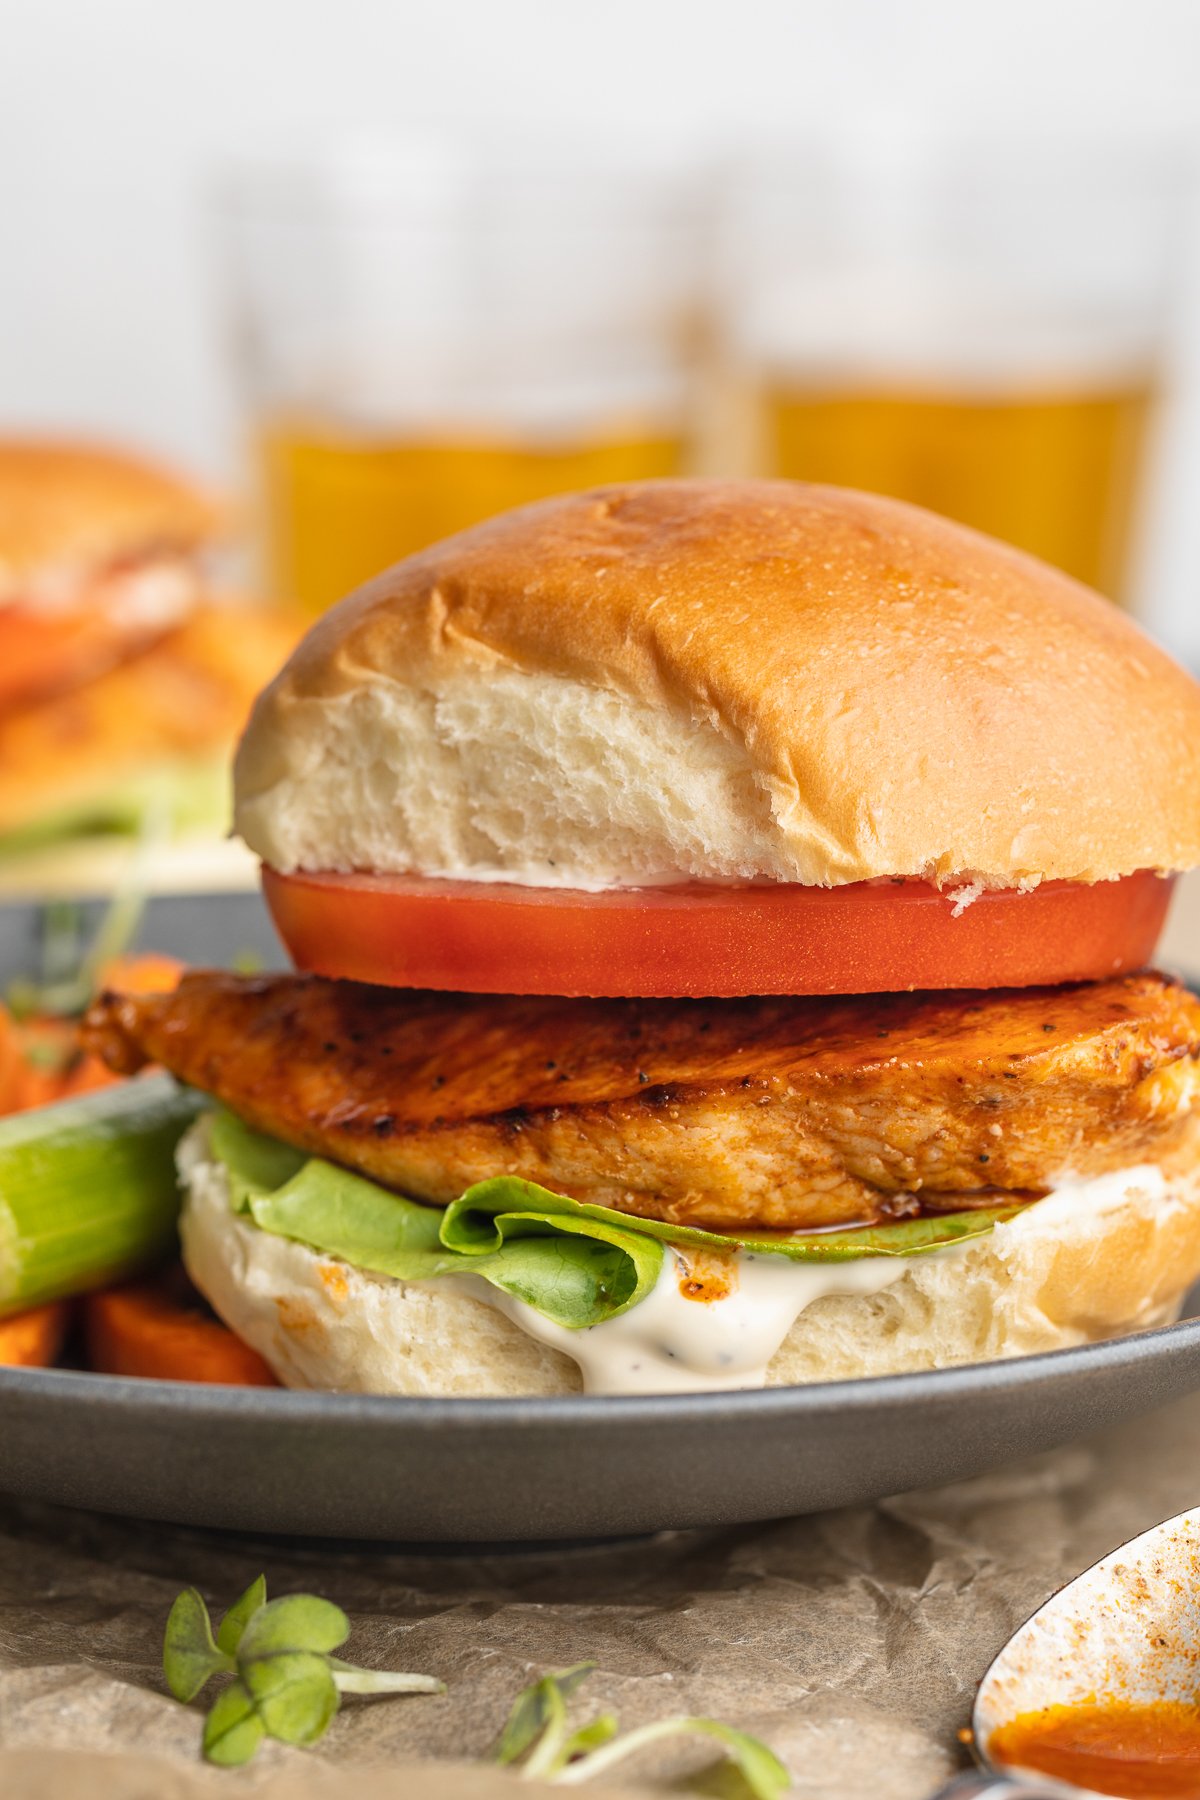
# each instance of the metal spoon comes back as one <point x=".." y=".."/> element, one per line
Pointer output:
<point x="1129" y="1626"/>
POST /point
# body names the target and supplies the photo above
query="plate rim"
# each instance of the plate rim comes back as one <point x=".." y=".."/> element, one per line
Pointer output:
<point x="131" y="1395"/>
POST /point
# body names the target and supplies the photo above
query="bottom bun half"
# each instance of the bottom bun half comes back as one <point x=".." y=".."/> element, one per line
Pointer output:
<point x="1096" y="1259"/>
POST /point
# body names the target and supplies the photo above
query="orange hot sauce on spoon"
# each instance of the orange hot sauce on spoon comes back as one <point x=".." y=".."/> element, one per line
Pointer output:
<point x="1147" y="1752"/>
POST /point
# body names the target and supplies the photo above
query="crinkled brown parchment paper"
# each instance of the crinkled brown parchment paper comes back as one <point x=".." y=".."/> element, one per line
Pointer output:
<point x="851" y="1641"/>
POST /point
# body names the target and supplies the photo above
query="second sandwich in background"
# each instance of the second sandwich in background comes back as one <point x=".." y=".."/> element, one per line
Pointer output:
<point x="126" y="672"/>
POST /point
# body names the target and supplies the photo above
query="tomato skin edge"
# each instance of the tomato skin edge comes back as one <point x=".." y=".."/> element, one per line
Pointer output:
<point x="708" y="942"/>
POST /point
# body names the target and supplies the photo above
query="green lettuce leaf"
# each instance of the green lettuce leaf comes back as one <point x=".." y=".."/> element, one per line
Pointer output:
<point x="471" y="1223"/>
<point x="574" y="1263"/>
<point x="577" y="1272"/>
<point x="187" y="796"/>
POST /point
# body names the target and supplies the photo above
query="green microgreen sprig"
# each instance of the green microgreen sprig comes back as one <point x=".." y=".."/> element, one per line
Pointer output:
<point x="287" y="1683"/>
<point x="539" y="1736"/>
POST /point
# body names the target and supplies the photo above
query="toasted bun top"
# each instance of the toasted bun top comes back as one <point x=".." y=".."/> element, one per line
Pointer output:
<point x="725" y="679"/>
<point x="66" y="508"/>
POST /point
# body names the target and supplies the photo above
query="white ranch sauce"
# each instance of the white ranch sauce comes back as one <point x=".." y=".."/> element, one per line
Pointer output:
<point x="668" y="1344"/>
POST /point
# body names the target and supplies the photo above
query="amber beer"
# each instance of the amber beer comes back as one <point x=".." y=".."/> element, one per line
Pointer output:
<point x="338" y="507"/>
<point x="1052" y="469"/>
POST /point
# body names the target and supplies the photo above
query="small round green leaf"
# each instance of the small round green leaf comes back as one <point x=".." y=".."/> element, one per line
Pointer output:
<point x="760" y="1768"/>
<point x="229" y="1632"/>
<point x="591" y="1736"/>
<point x="294" y="1693"/>
<point x="233" y="1730"/>
<point x="297" y="1622"/>
<point x="190" y="1657"/>
<point x="531" y="1710"/>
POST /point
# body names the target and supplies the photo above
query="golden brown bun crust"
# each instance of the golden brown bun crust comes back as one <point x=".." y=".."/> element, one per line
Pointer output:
<point x="76" y="507"/>
<point x="916" y="698"/>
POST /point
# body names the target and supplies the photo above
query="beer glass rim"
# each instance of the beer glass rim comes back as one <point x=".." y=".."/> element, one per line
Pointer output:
<point x="424" y="174"/>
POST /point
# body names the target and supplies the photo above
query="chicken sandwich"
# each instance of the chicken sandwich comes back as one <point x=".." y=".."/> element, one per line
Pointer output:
<point x="722" y="914"/>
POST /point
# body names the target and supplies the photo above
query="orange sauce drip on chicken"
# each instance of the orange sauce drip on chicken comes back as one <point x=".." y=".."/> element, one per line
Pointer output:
<point x="1139" y="1752"/>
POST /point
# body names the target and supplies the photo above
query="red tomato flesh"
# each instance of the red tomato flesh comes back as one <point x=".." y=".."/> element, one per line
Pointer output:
<point x="705" y="941"/>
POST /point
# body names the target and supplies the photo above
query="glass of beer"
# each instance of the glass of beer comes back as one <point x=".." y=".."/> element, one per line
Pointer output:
<point x="976" y="326"/>
<point x="429" y="332"/>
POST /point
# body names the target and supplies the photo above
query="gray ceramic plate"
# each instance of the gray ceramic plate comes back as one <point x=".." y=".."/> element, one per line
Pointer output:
<point x="492" y="1470"/>
<point x="487" y="1470"/>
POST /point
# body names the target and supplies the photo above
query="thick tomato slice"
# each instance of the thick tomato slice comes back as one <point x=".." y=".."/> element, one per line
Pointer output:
<point x="869" y="938"/>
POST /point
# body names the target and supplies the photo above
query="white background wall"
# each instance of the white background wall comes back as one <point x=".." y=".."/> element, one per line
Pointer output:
<point x="114" y="113"/>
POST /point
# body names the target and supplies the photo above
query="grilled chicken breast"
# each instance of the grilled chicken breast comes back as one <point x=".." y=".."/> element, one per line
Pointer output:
<point x="786" y="1113"/>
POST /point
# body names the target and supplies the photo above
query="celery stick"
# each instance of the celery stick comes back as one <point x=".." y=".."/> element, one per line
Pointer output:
<point x="88" y="1191"/>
